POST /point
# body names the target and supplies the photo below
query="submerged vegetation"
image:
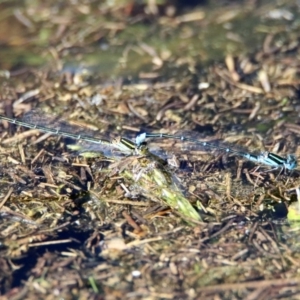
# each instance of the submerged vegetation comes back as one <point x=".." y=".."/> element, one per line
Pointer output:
<point x="108" y="217"/>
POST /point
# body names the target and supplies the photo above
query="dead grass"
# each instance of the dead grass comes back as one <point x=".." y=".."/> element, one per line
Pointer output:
<point x="214" y="227"/>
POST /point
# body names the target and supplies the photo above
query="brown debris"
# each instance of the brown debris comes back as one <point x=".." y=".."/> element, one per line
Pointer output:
<point x="98" y="225"/>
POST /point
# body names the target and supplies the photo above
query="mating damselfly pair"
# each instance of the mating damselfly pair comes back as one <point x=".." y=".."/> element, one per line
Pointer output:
<point x="124" y="146"/>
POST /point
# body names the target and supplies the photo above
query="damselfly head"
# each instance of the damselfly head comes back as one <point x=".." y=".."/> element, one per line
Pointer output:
<point x="140" y="138"/>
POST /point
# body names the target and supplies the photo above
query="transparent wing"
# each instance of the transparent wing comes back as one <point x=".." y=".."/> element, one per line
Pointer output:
<point x="193" y="142"/>
<point x="87" y="142"/>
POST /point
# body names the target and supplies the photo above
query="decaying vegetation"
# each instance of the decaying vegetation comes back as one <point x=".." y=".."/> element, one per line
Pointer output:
<point x="169" y="220"/>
